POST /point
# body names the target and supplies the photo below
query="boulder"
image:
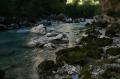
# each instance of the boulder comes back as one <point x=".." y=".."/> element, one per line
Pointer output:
<point x="49" y="45"/>
<point x="48" y="40"/>
<point x="39" y="42"/>
<point x="41" y="29"/>
<point x="51" y="34"/>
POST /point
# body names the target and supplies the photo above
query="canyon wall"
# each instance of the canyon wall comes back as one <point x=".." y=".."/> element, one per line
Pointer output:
<point x="113" y="5"/>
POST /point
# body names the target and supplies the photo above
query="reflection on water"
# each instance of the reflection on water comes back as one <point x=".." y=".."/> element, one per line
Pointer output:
<point x="21" y="62"/>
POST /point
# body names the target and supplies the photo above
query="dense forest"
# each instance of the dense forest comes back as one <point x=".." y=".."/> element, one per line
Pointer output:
<point x="48" y="7"/>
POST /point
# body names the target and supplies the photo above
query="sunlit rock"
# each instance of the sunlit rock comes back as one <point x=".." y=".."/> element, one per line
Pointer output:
<point x="69" y="69"/>
<point x="48" y="40"/>
<point x="49" y="45"/>
<point x="68" y="20"/>
<point x="39" y="29"/>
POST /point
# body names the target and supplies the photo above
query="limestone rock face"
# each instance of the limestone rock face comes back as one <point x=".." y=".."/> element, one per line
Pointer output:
<point x="110" y="4"/>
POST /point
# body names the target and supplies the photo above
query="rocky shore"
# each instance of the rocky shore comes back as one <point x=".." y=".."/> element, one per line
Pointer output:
<point x="95" y="57"/>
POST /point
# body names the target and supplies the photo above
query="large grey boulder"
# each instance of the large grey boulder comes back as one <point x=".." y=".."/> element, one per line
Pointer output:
<point x="48" y="41"/>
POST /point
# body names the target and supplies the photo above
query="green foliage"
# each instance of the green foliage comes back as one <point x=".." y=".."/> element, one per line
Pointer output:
<point x="6" y="6"/>
<point x="81" y="10"/>
<point x="113" y="51"/>
<point x="47" y="7"/>
<point x="31" y="7"/>
<point x="113" y="13"/>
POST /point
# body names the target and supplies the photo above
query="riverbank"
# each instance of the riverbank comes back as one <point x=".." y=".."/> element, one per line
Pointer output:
<point x="18" y="22"/>
<point x="96" y="56"/>
<point x="23" y="58"/>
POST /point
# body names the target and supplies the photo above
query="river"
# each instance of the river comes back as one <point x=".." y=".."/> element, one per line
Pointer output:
<point x="21" y="62"/>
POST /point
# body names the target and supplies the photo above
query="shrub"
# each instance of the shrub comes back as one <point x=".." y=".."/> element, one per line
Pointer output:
<point x="85" y="10"/>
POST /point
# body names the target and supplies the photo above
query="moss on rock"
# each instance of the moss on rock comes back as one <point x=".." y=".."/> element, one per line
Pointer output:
<point x="113" y="51"/>
<point x="70" y="55"/>
<point x="93" y="32"/>
<point x="98" y="42"/>
<point x="78" y="55"/>
<point x="46" y="67"/>
<point x="111" y="73"/>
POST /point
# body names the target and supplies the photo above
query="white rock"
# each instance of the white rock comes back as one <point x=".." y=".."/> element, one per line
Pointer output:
<point x="49" y="45"/>
<point x="58" y="37"/>
<point x="103" y="31"/>
<point x="51" y="34"/>
<point x="38" y="41"/>
<point x="78" y="40"/>
<point x="39" y="29"/>
<point x="84" y="35"/>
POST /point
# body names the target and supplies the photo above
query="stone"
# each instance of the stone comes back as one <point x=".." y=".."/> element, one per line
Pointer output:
<point x="48" y="40"/>
<point x="41" y="29"/>
<point x="51" y="34"/>
<point x="49" y="45"/>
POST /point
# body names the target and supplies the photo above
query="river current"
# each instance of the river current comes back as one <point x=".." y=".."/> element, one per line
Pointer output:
<point x="21" y="62"/>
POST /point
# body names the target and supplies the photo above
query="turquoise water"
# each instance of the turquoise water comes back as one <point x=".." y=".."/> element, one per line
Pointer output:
<point x="11" y="47"/>
<point x="20" y="62"/>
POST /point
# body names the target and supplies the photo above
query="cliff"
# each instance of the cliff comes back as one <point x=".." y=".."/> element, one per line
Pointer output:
<point x="113" y="5"/>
